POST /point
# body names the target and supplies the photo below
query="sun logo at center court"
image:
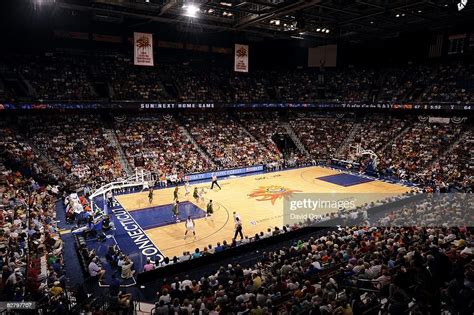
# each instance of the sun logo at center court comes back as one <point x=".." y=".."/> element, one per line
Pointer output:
<point x="272" y="193"/>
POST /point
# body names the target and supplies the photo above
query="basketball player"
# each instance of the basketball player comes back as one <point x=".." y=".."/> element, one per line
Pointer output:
<point x="110" y="199"/>
<point x="175" y="193"/>
<point x="150" y="195"/>
<point x="210" y="209"/>
<point x="214" y="182"/>
<point x="196" y="194"/>
<point x="238" y="229"/>
<point x="176" y="211"/>
<point x="189" y="227"/>
<point x="187" y="188"/>
<point x="201" y="194"/>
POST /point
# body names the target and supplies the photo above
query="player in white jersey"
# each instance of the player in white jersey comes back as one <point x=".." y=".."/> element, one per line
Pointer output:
<point x="189" y="224"/>
<point x="201" y="194"/>
<point x="187" y="188"/>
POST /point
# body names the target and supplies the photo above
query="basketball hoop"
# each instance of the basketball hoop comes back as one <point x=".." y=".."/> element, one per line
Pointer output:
<point x="357" y="151"/>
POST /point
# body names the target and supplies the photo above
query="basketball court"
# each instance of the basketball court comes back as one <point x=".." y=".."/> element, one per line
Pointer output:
<point x="258" y="199"/>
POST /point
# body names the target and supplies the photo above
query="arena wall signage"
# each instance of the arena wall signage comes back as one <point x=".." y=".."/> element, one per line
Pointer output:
<point x="223" y="173"/>
<point x="210" y="105"/>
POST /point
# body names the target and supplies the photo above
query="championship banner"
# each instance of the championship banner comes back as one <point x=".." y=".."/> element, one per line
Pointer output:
<point x="143" y="49"/>
<point x="241" y="58"/>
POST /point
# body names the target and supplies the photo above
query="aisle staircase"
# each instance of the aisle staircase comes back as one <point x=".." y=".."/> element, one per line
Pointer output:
<point x="465" y="136"/>
<point x="111" y="136"/>
<point x="398" y="136"/>
<point x="344" y="147"/>
<point x="43" y="158"/>
<point x="246" y="131"/>
<point x="204" y="154"/>
<point x="56" y="169"/>
<point x="295" y="139"/>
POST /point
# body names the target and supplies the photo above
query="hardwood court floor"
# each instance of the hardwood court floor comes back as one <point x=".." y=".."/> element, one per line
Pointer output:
<point x="257" y="215"/>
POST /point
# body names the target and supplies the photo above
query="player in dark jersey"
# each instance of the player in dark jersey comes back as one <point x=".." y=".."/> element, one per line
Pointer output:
<point x="150" y="195"/>
<point x="176" y="211"/>
<point x="210" y="209"/>
<point x="196" y="194"/>
<point x="175" y="193"/>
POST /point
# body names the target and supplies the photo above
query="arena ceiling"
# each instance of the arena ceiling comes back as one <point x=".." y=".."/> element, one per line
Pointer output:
<point x="353" y="20"/>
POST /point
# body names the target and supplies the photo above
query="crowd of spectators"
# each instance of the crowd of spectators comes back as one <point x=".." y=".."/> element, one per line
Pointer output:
<point x="78" y="144"/>
<point x="19" y="153"/>
<point x="322" y="135"/>
<point x="30" y="244"/>
<point x="401" y="85"/>
<point x="352" y="85"/>
<point x="427" y="153"/>
<point x="54" y="77"/>
<point x="303" y="89"/>
<point x="226" y="141"/>
<point x="450" y="82"/>
<point x="157" y="144"/>
<point x="410" y="155"/>
<point x="346" y="271"/>
<point x="407" y="149"/>
<point x="126" y="81"/>
<point x="432" y="210"/>
<point x="374" y="130"/>
<point x="263" y="127"/>
<point x="114" y="77"/>
<point x="418" y="257"/>
<point x="455" y="168"/>
<point x="195" y="83"/>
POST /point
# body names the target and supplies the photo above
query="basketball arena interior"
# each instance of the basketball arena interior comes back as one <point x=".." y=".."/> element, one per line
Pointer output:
<point x="237" y="157"/>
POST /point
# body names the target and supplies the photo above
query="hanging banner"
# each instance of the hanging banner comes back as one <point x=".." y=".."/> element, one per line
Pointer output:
<point x="241" y="58"/>
<point x="143" y="49"/>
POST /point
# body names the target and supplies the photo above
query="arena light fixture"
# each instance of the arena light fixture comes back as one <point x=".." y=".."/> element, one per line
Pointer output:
<point x="190" y="10"/>
<point x="43" y="2"/>
<point x="398" y="15"/>
<point x="327" y="31"/>
<point x="462" y="4"/>
<point x="318" y="30"/>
